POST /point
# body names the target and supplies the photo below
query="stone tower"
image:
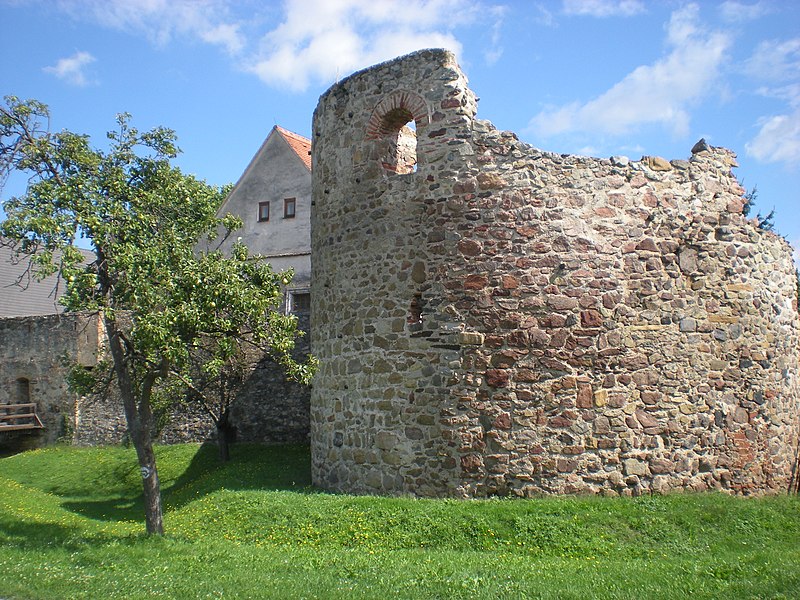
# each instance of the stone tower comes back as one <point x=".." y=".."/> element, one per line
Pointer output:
<point x="492" y="319"/>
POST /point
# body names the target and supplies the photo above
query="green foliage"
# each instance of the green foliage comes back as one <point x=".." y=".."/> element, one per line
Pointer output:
<point x="749" y="201"/>
<point x="766" y="223"/>
<point x="143" y="218"/>
<point x="66" y="531"/>
<point x="160" y="296"/>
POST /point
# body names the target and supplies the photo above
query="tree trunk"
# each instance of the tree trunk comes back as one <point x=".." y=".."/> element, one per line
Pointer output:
<point x="153" y="511"/>
<point x="222" y="444"/>
<point x="140" y="420"/>
<point x="225" y="435"/>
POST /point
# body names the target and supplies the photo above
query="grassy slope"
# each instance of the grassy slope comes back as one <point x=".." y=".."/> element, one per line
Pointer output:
<point x="70" y="528"/>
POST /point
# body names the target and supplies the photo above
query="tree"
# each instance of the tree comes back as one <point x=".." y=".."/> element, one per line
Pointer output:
<point x="159" y="296"/>
<point x="216" y="388"/>
<point x="764" y="223"/>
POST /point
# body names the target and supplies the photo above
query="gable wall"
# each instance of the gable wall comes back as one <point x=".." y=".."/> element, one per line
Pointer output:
<point x="275" y="174"/>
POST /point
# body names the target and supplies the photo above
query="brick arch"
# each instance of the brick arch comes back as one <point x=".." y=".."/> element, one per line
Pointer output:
<point x="394" y="111"/>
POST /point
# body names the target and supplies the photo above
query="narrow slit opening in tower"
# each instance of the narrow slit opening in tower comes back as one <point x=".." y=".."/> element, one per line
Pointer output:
<point x="415" y="311"/>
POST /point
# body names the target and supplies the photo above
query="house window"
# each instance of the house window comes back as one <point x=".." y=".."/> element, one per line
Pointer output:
<point x="300" y="302"/>
<point x="263" y="211"/>
<point x="288" y="208"/>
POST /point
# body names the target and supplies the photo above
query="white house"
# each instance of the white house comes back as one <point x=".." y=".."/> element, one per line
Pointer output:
<point x="273" y="199"/>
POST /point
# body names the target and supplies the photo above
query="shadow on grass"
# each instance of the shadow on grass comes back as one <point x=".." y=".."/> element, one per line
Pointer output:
<point x="25" y="532"/>
<point x="252" y="467"/>
<point x="113" y="509"/>
<point x="35" y="536"/>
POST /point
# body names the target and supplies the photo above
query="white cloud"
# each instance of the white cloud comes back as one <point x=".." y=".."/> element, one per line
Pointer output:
<point x="72" y="68"/>
<point x="660" y="93"/>
<point x="543" y="15"/>
<point x="796" y="255"/>
<point x="588" y="151"/>
<point x="321" y="40"/>
<point x="778" y="139"/>
<point x="493" y="54"/>
<point x="225" y="35"/>
<point x="787" y="93"/>
<point x="775" y="60"/>
<point x="313" y="40"/>
<point x="162" y="20"/>
<point x="739" y="12"/>
<point x="603" y="8"/>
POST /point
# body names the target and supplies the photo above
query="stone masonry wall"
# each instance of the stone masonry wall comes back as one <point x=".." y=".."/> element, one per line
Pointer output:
<point x="33" y="351"/>
<point x="269" y="409"/>
<point x="503" y="320"/>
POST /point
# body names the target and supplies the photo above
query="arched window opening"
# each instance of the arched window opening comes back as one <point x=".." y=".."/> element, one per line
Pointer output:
<point x="399" y="144"/>
<point x="393" y="126"/>
<point x="20" y="413"/>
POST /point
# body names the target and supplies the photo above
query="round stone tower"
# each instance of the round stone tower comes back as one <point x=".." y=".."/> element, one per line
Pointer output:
<point x="494" y="319"/>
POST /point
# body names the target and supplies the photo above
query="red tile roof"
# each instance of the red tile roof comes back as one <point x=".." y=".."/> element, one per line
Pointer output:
<point x="300" y="145"/>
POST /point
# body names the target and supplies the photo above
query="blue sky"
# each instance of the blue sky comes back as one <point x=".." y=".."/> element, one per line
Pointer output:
<point x="597" y="77"/>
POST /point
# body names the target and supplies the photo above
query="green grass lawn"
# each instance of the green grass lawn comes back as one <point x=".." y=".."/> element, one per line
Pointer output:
<point x="71" y="527"/>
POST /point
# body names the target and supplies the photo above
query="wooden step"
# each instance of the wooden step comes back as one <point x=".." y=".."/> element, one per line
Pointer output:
<point x="11" y="414"/>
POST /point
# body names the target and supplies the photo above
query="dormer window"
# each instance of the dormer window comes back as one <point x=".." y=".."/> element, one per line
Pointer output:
<point x="263" y="211"/>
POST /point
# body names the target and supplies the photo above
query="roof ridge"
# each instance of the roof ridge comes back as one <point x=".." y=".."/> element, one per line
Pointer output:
<point x="292" y="133"/>
<point x="299" y="144"/>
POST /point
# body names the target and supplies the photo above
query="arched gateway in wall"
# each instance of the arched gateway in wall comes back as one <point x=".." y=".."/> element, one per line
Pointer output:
<point x="494" y="319"/>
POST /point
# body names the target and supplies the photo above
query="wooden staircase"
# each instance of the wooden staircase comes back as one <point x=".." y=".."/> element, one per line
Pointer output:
<point x="18" y="417"/>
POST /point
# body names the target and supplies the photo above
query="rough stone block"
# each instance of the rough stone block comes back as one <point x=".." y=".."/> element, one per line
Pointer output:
<point x="635" y="466"/>
<point x="385" y="440"/>
<point x="657" y="163"/>
<point x="497" y="378"/>
<point x="585" y="396"/>
<point x="471" y="338"/>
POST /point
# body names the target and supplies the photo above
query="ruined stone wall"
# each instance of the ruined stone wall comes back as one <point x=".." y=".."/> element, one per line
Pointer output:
<point x="268" y="410"/>
<point x="503" y="320"/>
<point x="271" y="409"/>
<point x="33" y="349"/>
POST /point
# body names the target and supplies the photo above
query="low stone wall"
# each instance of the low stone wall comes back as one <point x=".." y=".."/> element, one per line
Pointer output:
<point x="38" y="349"/>
<point x="35" y="351"/>
<point x="271" y="409"/>
<point x="502" y="320"/>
